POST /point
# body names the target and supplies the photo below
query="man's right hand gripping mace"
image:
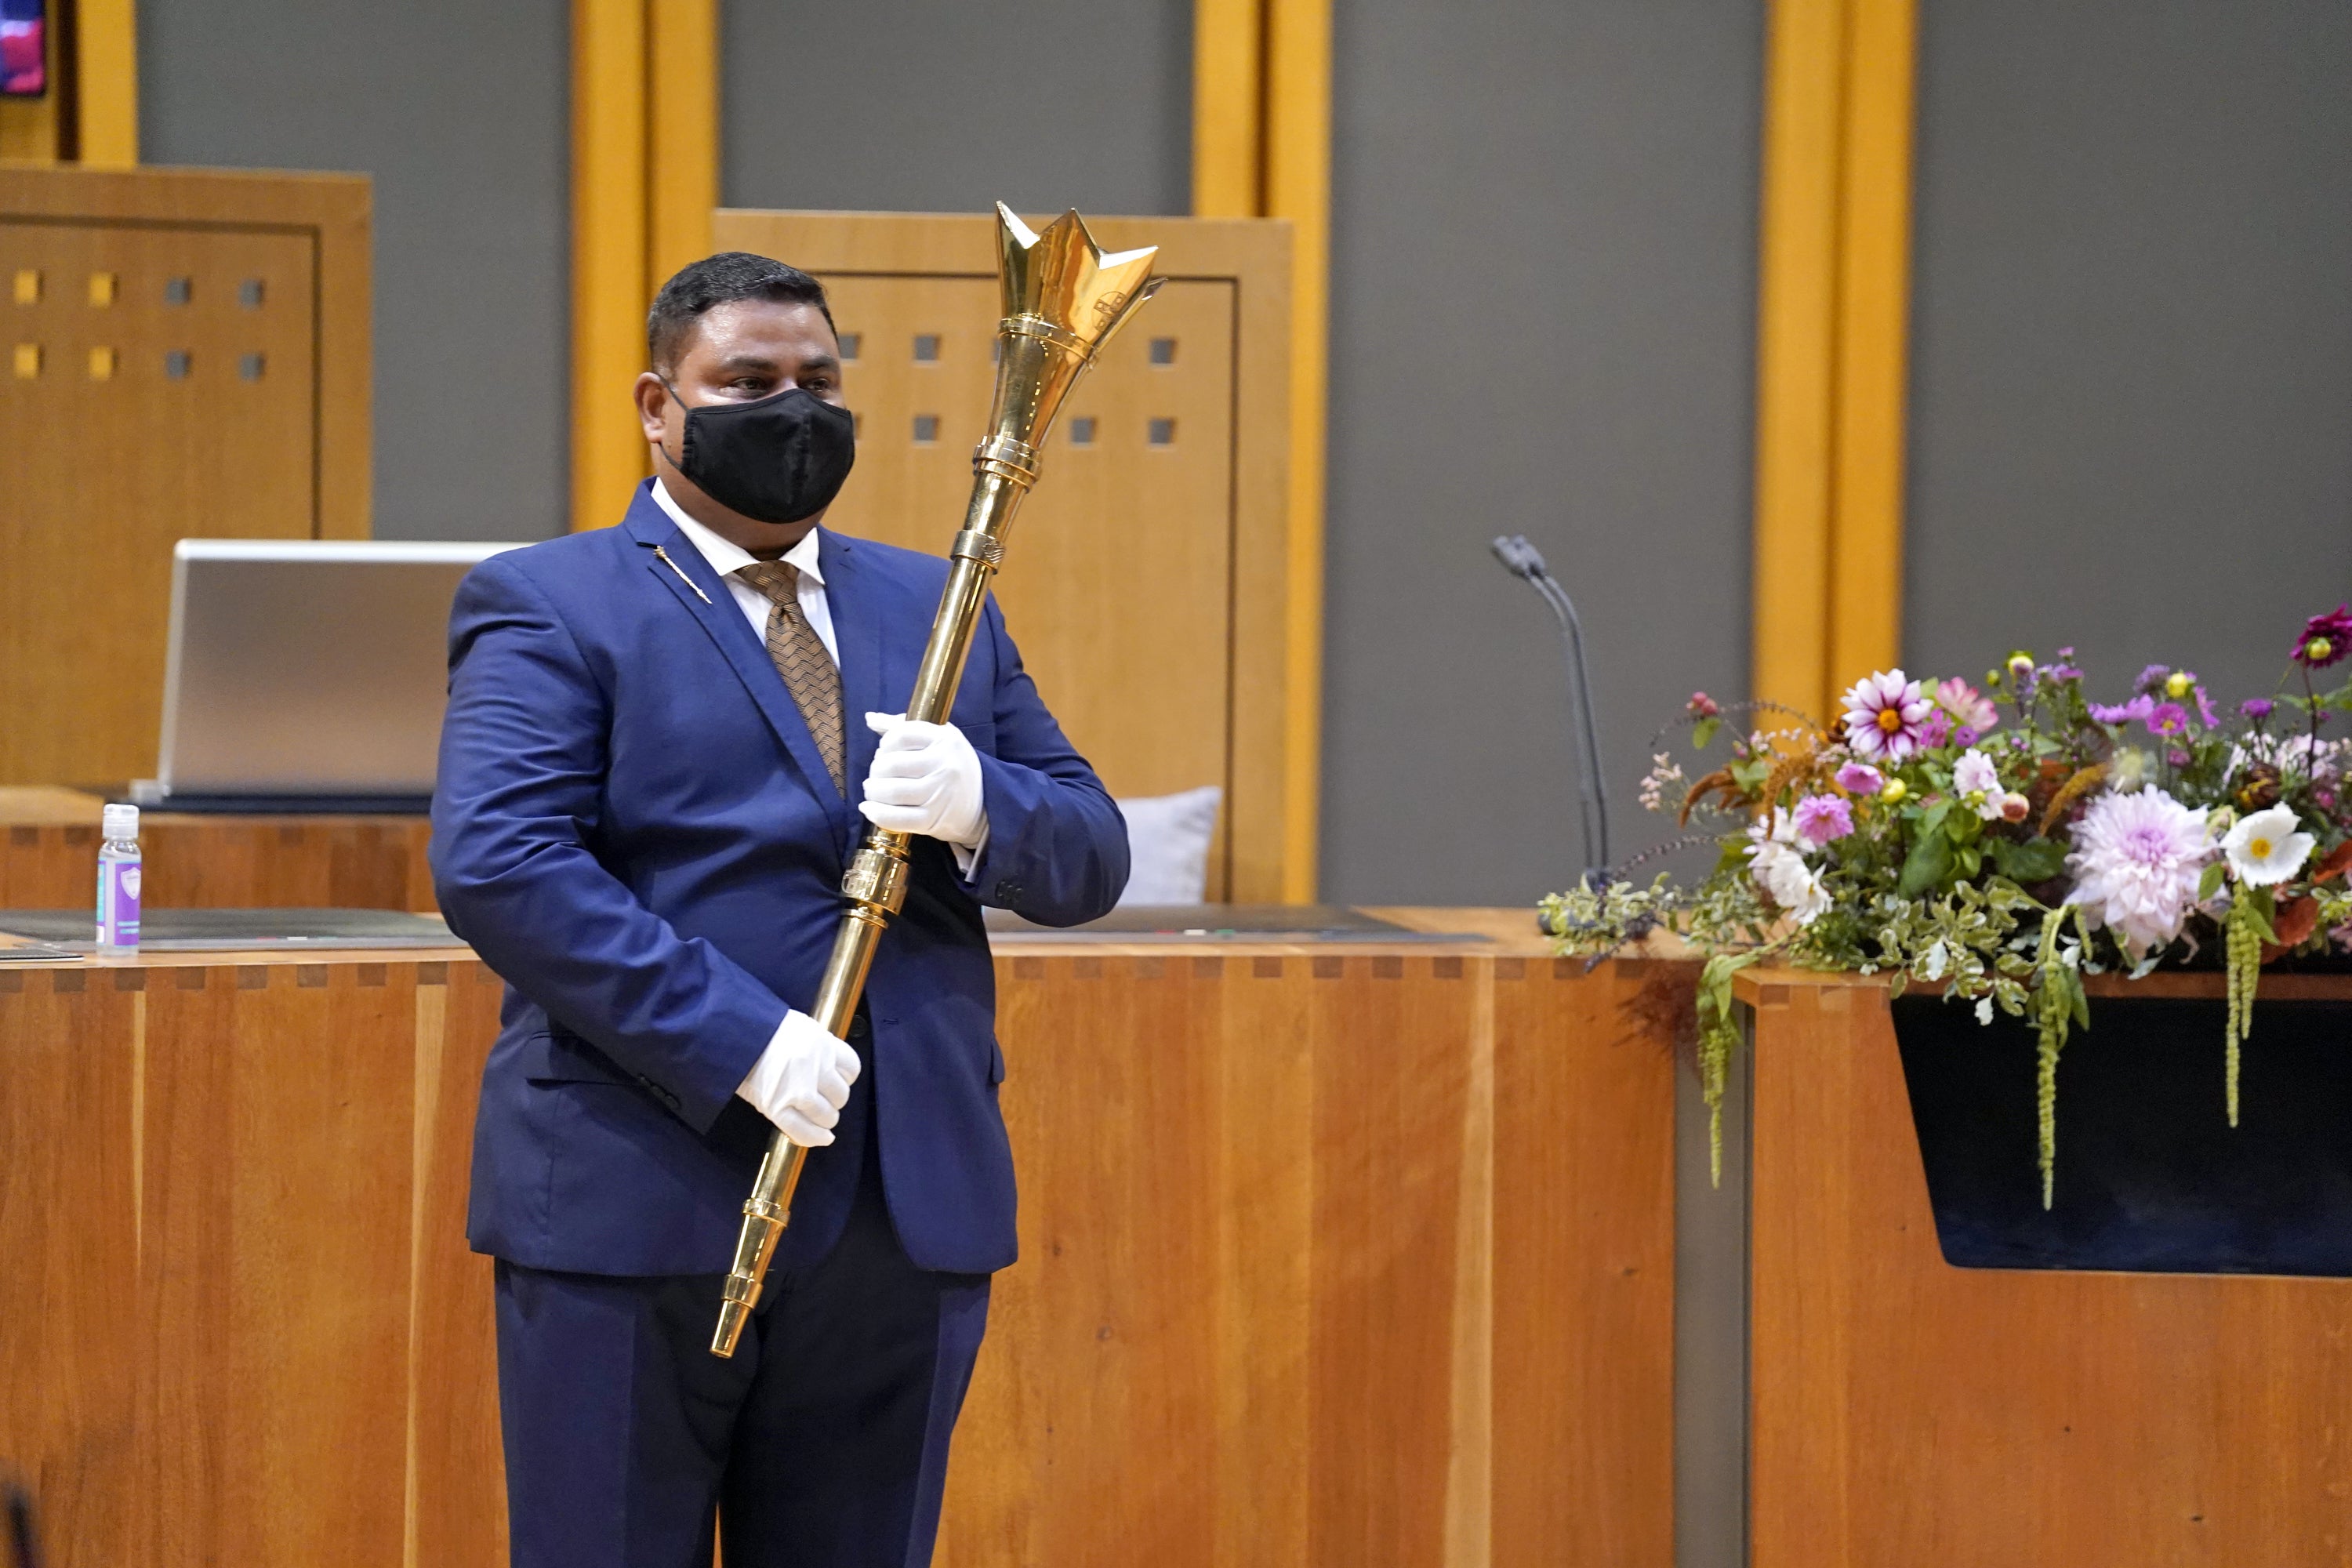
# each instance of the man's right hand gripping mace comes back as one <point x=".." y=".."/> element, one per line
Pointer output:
<point x="1063" y="300"/>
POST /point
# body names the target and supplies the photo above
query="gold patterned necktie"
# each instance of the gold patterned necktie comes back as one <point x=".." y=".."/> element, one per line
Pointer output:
<point x="808" y="669"/>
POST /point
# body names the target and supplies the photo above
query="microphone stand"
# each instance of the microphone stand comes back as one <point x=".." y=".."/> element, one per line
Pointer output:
<point x="1522" y="561"/>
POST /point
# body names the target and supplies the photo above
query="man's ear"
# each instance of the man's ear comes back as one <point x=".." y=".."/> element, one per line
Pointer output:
<point x="652" y="404"/>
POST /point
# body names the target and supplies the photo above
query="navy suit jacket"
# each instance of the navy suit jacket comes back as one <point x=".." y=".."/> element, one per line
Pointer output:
<point x="634" y="828"/>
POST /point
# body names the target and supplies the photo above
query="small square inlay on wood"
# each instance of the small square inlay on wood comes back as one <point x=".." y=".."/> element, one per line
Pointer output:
<point x="1446" y="968"/>
<point x="371" y="973"/>
<point x="1208" y="969"/>
<point x="1265" y="968"/>
<point x="11" y="980"/>
<point x="190" y="978"/>
<point x="66" y="981"/>
<point x="1085" y="968"/>
<point x="1151" y="968"/>
<point x="131" y="979"/>
<point x="1028" y="968"/>
<point x="1330" y="968"/>
<point x="1390" y="968"/>
<point x="310" y="977"/>
<point x="433" y="974"/>
<point x="1511" y="969"/>
<point x="253" y="977"/>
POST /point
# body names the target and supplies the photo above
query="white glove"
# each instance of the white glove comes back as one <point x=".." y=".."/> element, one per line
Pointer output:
<point x="801" y="1080"/>
<point x="925" y="779"/>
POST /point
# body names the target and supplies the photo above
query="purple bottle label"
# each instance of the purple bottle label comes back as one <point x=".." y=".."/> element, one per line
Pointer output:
<point x="118" y="903"/>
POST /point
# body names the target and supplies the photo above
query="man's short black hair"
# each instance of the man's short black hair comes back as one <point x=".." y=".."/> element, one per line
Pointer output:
<point x="720" y="280"/>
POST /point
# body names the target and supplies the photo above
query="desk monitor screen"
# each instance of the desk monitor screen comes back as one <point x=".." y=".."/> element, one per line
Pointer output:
<point x="307" y="670"/>
<point x="24" y="49"/>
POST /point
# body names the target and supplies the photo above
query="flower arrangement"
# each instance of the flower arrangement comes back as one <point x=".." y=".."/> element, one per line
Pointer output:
<point x="2002" y="843"/>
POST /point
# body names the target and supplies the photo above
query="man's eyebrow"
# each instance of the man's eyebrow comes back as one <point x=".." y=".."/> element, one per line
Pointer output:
<point x="820" y="361"/>
<point x="747" y="361"/>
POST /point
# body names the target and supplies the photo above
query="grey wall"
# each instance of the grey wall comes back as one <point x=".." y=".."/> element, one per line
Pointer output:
<point x="950" y="105"/>
<point x="1543" y="287"/>
<point x="2131" y="356"/>
<point x="459" y="111"/>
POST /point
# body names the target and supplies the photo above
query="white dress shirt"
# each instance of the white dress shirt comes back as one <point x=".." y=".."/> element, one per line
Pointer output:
<point x="727" y="557"/>
<point x="763" y="1084"/>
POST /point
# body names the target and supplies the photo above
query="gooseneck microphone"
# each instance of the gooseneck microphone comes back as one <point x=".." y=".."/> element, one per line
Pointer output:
<point x="1523" y="561"/>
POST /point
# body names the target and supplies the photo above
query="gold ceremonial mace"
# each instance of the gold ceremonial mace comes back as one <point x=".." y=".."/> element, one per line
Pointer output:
<point x="1063" y="300"/>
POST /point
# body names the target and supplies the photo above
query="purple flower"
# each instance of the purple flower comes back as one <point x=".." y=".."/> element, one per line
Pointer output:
<point x="1822" y="818"/>
<point x="1883" y="716"/>
<point x="1861" y="778"/>
<point x="2177" y="757"/>
<point x="2138" y="707"/>
<point x="2205" y="714"/>
<point x="2256" y="708"/>
<point x="1965" y="736"/>
<point x="2167" y="719"/>
<point x="2151" y="678"/>
<point x="2325" y="638"/>
<point x="1936" y="729"/>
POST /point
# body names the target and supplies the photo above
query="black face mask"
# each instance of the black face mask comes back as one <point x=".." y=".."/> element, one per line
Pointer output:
<point x="778" y="459"/>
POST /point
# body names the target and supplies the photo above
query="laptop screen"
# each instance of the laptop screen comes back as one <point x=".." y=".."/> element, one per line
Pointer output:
<point x="303" y="667"/>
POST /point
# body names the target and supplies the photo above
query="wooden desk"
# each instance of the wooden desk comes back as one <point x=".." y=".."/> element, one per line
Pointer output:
<point x="1905" y="1411"/>
<point x="238" y="1322"/>
<point x="1340" y="1254"/>
<point x="48" y="857"/>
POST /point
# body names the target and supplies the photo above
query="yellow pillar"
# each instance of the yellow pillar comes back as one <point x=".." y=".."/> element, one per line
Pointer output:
<point x="645" y="177"/>
<point x="106" y="82"/>
<point x="1831" y="321"/>
<point x="1262" y="147"/>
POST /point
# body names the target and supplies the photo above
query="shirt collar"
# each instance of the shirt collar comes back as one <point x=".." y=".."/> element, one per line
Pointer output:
<point x="726" y="556"/>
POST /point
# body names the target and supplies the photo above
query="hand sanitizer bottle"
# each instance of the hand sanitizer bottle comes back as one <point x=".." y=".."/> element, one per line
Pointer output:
<point x="118" y="880"/>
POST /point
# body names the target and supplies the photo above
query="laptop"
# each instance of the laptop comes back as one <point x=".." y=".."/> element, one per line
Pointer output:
<point x="306" y="675"/>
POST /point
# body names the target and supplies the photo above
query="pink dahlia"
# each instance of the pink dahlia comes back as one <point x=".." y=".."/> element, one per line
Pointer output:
<point x="1886" y="716"/>
<point x="2136" y="860"/>
<point x="1969" y="709"/>
<point x="1822" y="818"/>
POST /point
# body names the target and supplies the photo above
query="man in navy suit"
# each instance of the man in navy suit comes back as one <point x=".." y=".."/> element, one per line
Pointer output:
<point x="663" y="743"/>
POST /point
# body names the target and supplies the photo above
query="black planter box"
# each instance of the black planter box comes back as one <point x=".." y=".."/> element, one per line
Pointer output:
<point x="2151" y="1176"/>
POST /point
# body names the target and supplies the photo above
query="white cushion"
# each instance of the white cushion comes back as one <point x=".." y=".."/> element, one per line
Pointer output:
<point x="1168" y="843"/>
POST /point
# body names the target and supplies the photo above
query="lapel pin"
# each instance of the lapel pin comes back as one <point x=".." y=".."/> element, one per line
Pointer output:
<point x="682" y="577"/>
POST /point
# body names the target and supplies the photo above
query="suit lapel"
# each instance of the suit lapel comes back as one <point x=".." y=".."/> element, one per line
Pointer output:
<point x="850" y="595"/>
<point x="681" y="569"/>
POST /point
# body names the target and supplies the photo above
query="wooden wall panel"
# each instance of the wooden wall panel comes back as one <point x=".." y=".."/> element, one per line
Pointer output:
<point x="1146" y="581"/>
<point x="48" y="857"/>
<point x="1905" y="1411"/>
<point x="187" y="357"/>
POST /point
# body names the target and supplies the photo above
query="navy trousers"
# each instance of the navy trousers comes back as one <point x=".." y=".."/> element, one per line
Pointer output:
<point x="823" y="1443"/>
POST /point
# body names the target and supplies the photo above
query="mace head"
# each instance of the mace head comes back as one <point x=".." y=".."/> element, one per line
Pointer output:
<point x="1061" y="276"/>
